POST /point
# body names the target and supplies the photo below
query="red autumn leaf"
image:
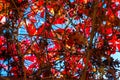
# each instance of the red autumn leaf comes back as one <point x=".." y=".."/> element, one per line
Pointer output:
<point x="71" y="13"/>
<point x="34" y="65"/>
<point x="115" y="0"/>
<point x="24" y="45"/>
<point x="31" y="29"/>
<point x="87" y="31"/>
<point x="59" y="31"/>
<point x="59" y="21"/>
<point x="35" y="48"/>
<point x="33" y="0"/>
<point x="1" y="40"/>
<point x="31" y="14"/>
<point x="47" y="34"/>
<point x="113" y="39"/>
<point x="89" y="63"/>
<point x="80" y="66"/>
<point x="57" y="45"/>
<point x="77" y="18"/>
<point x="33" y="20"/>
<point x="82" y="1"/>
<point x="1" y="7"/>
<point x="12" y="49"/>
<point x="50" y="34"/>
<point x="110" y="14"/>
<point x="40" y="29"/>
<point x="53" y="70"/>
<point x="43" y="29"/>
<point x="30" y="58"/>
<point x="19" y="1"/>
<point x="108" y="31"/>
<point x="26" y="42"/>
<point x="108" y="52"/>
<point x="15" y="58"/>
<point x="1" y="58"/>
<point x="42" y="14"/>
<point x="14" y="70"/>
<point x="64" y="72"/>
<point x="40" y="2"/>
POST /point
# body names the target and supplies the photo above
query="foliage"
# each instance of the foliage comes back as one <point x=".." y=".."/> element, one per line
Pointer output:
<point x="59" y="39"/>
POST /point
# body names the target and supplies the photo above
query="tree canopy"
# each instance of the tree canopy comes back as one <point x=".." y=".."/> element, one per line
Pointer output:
<point x="59" y="39"/>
